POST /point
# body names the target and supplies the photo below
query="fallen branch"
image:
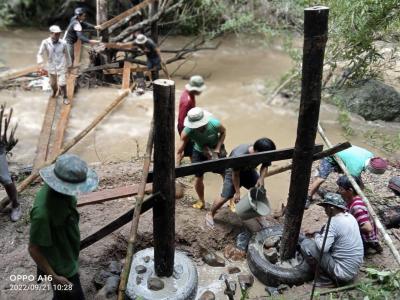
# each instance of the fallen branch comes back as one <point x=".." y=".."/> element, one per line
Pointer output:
<point x="374" y="216"/>
<point x="136" y="216"/>
<point x="279" y="88"/>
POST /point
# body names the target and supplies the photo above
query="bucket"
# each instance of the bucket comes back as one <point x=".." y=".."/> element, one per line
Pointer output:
<point x="253" y="204"/>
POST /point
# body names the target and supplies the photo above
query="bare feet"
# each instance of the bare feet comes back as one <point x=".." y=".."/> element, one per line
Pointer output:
<point x="209" y="221"/>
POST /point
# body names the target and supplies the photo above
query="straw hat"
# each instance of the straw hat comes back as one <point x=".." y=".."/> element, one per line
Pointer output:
<point x="70" y="176"/>
<point x="141" y="39"/>
<point x="197" y="117"/>
<point x="196" y="83"/>
<point x="55" y="29"/>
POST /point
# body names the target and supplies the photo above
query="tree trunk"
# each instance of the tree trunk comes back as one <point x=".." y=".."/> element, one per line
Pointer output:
<point x="315" y="36"/>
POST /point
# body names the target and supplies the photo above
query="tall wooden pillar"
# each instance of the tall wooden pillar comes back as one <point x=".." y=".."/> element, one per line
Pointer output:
<point x="315" y="37"/>
<point x="164" y="176"/>
<point x="154" y="25"/>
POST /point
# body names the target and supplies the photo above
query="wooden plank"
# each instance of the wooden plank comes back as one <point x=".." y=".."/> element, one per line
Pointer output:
<point x="110" y="194"/>
<point x="235" y="162"/>
<point x="113" y="71"/>
<point x="15" y="74"/>
<point x="44" y="139"/>
<point x="124" y="14"/>
<point x="77" y="52"/>
<point x="118" y="223"/>
<point x="126" y="76"/>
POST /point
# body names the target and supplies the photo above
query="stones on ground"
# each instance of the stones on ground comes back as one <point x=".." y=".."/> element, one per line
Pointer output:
<point x="207" y="295"/>
<point x="233" y="270"/>
<point x="271" y="241"/>
<point x="233" y="253"/>
<point x="245" y="281"/>
<point x="146" y="259"/>
<point x="100" y="278"/>
<point x="155" y="284"/>
<point x="272" y="291"/>
<point x="139" y="280"/>
<point x="272" y="255"/>
<point x="212" y="259"/>
<point x="178" y="270"/>
<point x="282" y="287"/>
<point x="140" y="269"/>
<point x="115" y="267"/>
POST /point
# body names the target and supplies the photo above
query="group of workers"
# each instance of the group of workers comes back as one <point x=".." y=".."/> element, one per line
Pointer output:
<point x="54" y="234"/>
<point x="60" y="52"/>
<point x="352" y="232"/>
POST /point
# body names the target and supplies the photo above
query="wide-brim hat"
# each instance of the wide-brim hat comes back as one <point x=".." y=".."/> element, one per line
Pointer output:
<point x="55" y="29"/>
<point x="333" y="199"/>
<point x="70" y="176"/>
<point x="196" y="118"/>
<point x="377" y="165"/>
<point x="141" y="39"/>
<point x="196" y="83"/>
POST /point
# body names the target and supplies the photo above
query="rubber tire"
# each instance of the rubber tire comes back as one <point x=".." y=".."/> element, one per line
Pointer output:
<point x="268" y="273"/>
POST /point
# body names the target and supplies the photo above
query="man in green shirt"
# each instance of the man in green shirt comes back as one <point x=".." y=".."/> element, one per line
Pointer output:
<point x="208" y="135"/>
<point x="54" y="242"/>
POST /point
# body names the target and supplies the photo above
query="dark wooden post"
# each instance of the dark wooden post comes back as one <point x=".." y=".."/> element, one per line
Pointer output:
<point x="315" y="37"/>
<point x="164" y="176"/>
<point x="154" y="25"/>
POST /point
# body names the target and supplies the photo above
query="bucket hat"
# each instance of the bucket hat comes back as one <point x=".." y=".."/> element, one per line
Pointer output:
<point x="197" y="117"/>
<point x="377" y="165"/>
<point x="55" y="29"/>
<point x="333" y="199"/>
<point x="70" y="176"/>
<point x="141" y="39"/>
<point x="196" y="83"/>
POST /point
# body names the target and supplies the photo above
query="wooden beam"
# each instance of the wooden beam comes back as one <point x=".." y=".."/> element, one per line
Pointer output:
<point x="118" y="223"/>
<point x="111" y="194"/>
<point x="124" y="14"/>
<point x="235" y="162"/>
<point x="45" y="133"/>
<point x="126" y="75"/>
<point x="121" y="70"/>
<point x="164" y="176"/>
<point x="19" y="73"/>
<point x="102" y="67"/>
<point x="315" y="37"/>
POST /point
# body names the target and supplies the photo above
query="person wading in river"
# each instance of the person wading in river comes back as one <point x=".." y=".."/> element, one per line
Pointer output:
<point x="74" y="31"/>
<point x="247" y="177"/>
<point x="188" y="101"/>
<point x="58" y="61"/>
<point x="54" y="242"/>
<point x="358" y="209"/>
<point x="208" y="135"/>
<point x="356" y="160"/>
<point x="343" y="252"/>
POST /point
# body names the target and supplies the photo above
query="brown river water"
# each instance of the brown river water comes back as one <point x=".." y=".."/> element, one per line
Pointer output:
<point x="235" y="74"/>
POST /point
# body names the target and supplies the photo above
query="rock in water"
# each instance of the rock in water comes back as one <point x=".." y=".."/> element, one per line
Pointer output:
<point x="155" y="284"/>
<point x="207" y="295"/>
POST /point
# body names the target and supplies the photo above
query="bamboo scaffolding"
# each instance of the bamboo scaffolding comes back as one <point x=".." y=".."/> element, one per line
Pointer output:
<point x="378" y="223"/>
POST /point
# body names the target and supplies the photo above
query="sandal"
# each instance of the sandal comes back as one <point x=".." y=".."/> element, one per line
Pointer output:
<point x="209" y="221"/>
<point x="232" y="205"/>
<point x="198" y="205"/>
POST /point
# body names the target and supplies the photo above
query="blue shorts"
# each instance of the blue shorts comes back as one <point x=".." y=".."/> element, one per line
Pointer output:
<point x="154" y="62"/>
<point x="326" y="167"/>
<point x="5" y="177"/>
<point x="248" y="179"/>
<point x="199" y="157"/>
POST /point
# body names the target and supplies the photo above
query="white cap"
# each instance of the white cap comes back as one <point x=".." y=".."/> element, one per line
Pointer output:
<point x="55" y="29"/>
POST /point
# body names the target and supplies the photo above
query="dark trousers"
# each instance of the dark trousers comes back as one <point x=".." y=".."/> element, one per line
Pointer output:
<point x="76" y="293"/>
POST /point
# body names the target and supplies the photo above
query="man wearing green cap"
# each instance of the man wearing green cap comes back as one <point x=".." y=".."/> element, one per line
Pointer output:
<point x="54" y="242"/>
<point x="343" y="251"/>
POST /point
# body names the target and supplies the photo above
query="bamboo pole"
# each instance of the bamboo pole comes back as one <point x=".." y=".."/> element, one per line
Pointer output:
<point x="378" y="223"/>
<point x="136" y="216"/>
<point x="35" y="174"/>
<point x="315" y="37"/>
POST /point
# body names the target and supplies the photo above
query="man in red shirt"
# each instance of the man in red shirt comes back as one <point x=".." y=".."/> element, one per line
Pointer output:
<point x="188" y="101"/>
<point x="358" y="209"/>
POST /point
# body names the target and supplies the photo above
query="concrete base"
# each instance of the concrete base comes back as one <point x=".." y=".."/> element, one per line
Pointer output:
<point x="181" y="286"/>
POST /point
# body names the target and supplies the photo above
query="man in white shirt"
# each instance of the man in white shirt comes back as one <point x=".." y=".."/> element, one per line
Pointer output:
<point x="343" y="252"/>
<point x="58" y="61"/>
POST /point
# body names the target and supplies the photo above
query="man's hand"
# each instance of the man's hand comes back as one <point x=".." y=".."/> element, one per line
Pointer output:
<point x="236" y="197"/>
<point x="93" y="42"/>
<point x="61" y="280"/>
<point x="97" y="27"/>
<point x="309" y="233"/>
<point x="260" y="182"/>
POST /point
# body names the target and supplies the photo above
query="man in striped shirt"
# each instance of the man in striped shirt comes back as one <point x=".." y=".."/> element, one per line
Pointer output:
<point x="358" y="209"/>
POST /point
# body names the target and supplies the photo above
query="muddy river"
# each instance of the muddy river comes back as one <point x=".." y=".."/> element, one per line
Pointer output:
<point x="235" y="74"/>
